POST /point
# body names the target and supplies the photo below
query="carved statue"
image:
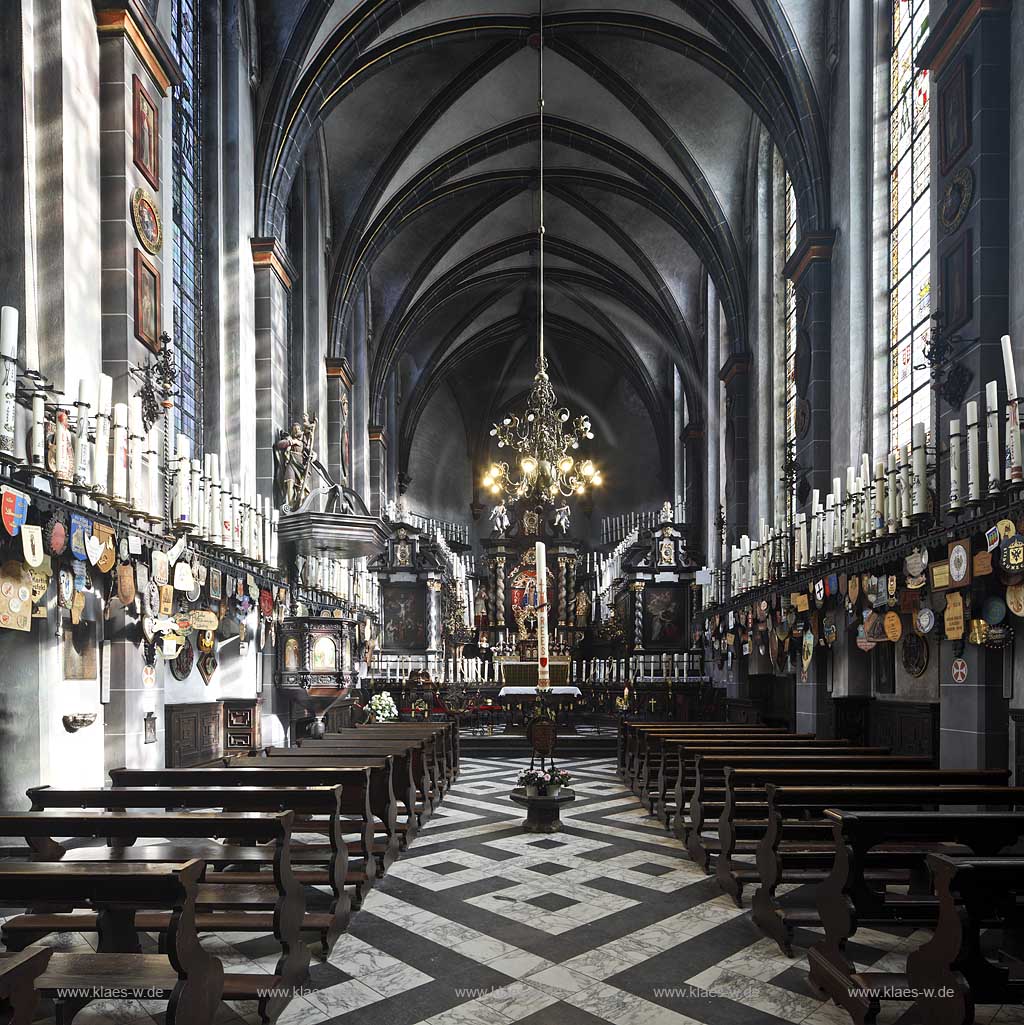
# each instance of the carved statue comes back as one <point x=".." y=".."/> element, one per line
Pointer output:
<point x="562" y="517"/>
<point x="499" y="519"/>
<point x="667" y="516"/>
<point x="582" y="608"/>
<point x="296" y="457"/>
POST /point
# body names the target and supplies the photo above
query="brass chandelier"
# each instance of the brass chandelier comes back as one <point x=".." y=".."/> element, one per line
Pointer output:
<point x="545" y="438"/>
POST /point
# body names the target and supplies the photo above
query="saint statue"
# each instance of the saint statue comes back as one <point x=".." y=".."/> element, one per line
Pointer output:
<point x="562" y="517"/>
<point x="297" y="456"/>
<point x="291" y="451"/>
<point x="582" y="608"/>
<point x="499" y="519"/>
<point x="667" y="515"/>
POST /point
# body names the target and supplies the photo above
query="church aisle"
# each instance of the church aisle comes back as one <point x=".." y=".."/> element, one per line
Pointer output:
<point x="608" y="921"/>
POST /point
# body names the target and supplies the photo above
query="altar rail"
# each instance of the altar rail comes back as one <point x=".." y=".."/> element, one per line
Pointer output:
<point x="668" y="668"/>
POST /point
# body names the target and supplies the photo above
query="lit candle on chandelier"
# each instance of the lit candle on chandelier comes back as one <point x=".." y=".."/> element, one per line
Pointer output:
<point x="543" y="668"/>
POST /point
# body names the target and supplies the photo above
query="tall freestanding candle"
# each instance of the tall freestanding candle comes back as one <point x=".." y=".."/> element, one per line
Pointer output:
<point x="543" y="669"/>
<point x="954" y="464"/>
<point x="993" y="450"/>
<point x="8" y="380"/>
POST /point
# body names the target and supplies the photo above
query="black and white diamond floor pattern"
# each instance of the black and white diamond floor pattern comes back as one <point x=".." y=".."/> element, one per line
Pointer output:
<point x="480" y="923"/>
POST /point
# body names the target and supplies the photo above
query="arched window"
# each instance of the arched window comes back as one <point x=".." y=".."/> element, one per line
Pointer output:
<point x="909" y="221"/>
<point x="188" y="221"/>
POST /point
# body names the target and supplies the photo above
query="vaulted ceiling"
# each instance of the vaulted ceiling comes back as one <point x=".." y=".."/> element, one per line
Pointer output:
<point x="426" y="111"/>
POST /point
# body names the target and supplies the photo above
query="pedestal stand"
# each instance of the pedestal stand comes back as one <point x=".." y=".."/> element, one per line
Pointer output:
<point x="542" y="813"/>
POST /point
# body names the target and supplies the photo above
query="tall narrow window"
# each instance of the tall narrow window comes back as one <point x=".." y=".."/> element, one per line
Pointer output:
<point x="188" y="221"/>
<point x="909" y="221"/>
<point x="789" y="240"/>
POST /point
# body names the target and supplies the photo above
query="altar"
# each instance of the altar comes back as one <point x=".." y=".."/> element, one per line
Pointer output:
<point x="573" y="692"/>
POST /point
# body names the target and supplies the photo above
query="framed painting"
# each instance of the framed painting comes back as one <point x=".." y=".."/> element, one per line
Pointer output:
<point x="145" y="133"/>
<point x="147" y="302"/>
<point x="956" y="282"/>
<point x="325" y="655"/>
<point x="405" y="617"/>
<point x="954" y="118"/>
<point x="665" y="616"/>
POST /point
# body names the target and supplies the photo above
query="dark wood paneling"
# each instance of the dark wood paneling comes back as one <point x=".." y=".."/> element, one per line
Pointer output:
<point x="743" y="710"/>
<point x="195" y="734"/>
<point x="850" y="718"/>
<point x="242" y="724"/>
<point x="1017" y="721"/>
<point x="908" y="728"/>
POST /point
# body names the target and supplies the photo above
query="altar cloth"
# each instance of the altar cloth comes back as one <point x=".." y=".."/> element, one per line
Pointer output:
<point x="509" y="691"/>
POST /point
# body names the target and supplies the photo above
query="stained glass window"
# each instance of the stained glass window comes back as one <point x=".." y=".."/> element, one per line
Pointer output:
<point x="909" y="221"/>
<point x="188" y="222"/>
<point x="790" y="238"/>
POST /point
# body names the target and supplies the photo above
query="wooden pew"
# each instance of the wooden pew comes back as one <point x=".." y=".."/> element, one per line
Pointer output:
<point x="912" y="826"/>
<point x="257" y="867"/>
<point x="190" y="979"/>
<point x="638" y="768"/>
<point x="687" y="796"/>
<point x="223" y="906"/>
<point x="628" y="731"/>
<point x="684" y="753"/>
<point x="411" y="780"/>
<point x="950" y="972"/>
<point x="846" y="900"/>
<point x="734" y="792"/>
<point x="388" y="838"/>
<point x="446" y="731"/>
<point x="366" y="796"/>
<point x="429" y="767"/>
<point x="18" y="973"/>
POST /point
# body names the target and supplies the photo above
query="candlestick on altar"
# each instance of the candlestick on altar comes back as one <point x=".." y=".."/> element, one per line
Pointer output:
<point x="8" y="383"/>
<point x="973" y="454"/>
<point x="1014" y="469"/>
<point x="993" y="450"/>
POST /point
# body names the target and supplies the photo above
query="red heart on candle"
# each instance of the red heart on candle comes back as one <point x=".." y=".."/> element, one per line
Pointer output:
<point x="543" y="661"/>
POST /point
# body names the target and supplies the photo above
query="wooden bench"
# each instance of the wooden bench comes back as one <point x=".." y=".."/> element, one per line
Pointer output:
<point x="745" y="812"/>
<point x="812" y="804"/>
<point x="628" y="732"/>
<point x="256" y="868"/>
<point x="366" y="797"/>
<point x="276" y="908"/>
<point x="447" y="732"/>
<point x="638" y="768"/>
<point x="185" y="975"/>
<point x="846" y="900"/>
<point x="18" y="995"/>
<point x="951" y="972"/>
<point x="686" y="752"/>
<point x="411" y="779"/>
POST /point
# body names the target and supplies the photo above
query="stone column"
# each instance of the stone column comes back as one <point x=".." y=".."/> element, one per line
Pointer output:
<point x="377" y="438"/>
<point x="968" y="53"/>
<point x="810" y="270"/>
<point x="735" y="375"/>
<point x="339" y="417"/>
<point x="274" y="278"/>
<point x="693" y="499"/>
<point x="714" y="425"/>
<point x="637" y="587"/>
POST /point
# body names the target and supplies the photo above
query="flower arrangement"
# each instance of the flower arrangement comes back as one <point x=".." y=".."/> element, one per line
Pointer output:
<point x="544" y="780"/>
<point x="382" y="707"/>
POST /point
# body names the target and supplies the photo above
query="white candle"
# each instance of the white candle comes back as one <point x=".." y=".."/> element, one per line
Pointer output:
<point x="1014" y="469"/>
<point x="101" y="444"/>
<point x="236" y="523"/>
<point x="830" y="522"/>
<point x="83" y="455"/>
<point x="195" y="492"/>
<point x="213" y="500"/>
<point x="226" y="533"/>
<point x="891" y="495"/>
<point x="64" y="458"/>
<point x="182" y="503"/>
<point x="268" y="522"/>
<point x="880" y="499"/>
<point x="155" y="491"/>
<point x="954" y="464"/>
<point x="973" y="454"/>
<point x="992" y="439"/>
<point x="275" y="516"/>
<point x="136" y="495"/>
<point x="543" y="669"/>
<point x="905" y="486"/>
<point x="119" y="461"/>
<point x="8" y="379"/>
<point x="919" y="482"/>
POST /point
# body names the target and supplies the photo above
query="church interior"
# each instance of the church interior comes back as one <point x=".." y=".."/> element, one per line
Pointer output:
<point x="511" y="512"/>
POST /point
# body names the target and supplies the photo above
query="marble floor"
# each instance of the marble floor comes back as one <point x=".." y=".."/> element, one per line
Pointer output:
<point x="482" y="924"/>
